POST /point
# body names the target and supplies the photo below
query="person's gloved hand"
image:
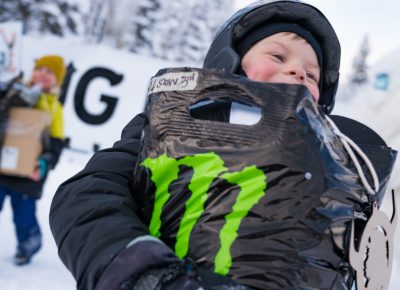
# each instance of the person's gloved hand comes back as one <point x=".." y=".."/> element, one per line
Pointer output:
<point x="148" y="264"/>
<point x="181" y="275"/>
<point x="40" y="169"/>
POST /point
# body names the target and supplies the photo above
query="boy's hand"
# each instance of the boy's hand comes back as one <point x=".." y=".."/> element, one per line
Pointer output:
<point x="180" y="275"/>
<point x="40" y="170"/>
<point x="184" y="275"/>
<point x="148" y="264"/>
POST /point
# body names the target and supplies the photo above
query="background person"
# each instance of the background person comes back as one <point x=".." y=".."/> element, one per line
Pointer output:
<point x="48" y="75"/>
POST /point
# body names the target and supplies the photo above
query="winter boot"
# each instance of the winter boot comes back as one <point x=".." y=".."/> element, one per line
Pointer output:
<point x="27" y="249"/>
<point x="21" y="258"/>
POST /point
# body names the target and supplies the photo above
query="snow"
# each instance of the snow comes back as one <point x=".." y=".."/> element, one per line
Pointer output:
<point x="377" y="109"/>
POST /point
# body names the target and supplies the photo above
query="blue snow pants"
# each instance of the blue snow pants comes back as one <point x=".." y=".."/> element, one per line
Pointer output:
<point x="24" y="215"/>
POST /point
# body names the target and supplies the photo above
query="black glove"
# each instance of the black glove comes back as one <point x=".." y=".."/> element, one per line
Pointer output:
<point x="180" y="275"/>
<point x="184" y="275"/>
<point x="148" y="264"/>
<point x="140" y="256"/>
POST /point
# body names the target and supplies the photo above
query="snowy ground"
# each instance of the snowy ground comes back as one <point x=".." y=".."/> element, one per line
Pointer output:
<point x="46" y="272"/>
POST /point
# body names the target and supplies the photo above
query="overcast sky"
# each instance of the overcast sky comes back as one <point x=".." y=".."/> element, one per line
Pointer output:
<point x="354" y="19"/>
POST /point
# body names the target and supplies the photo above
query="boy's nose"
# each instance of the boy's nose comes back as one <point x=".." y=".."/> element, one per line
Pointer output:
<point x="298" y="73"/>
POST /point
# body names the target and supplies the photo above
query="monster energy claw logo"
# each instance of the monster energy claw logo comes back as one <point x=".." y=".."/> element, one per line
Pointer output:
<point x="206" y="168"/>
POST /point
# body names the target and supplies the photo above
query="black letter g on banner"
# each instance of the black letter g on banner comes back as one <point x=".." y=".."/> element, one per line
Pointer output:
<point x="80" y="92"/>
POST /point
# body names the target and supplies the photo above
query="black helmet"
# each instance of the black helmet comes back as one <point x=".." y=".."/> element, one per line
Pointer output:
<point x="223" y="53"/>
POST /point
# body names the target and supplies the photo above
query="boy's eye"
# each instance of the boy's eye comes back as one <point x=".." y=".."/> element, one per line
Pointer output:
<point x="313" y="77"/>
<point x="279" y="57"/>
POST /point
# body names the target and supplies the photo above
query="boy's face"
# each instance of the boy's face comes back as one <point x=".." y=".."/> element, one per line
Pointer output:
<point x="283" y="58"/>
<point x="45" y="78"/>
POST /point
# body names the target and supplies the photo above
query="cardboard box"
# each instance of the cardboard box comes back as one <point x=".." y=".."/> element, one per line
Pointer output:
<point x="23" y="141"/>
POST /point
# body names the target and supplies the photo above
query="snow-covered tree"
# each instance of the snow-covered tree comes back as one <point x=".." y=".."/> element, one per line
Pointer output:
<point x="19" y="10"/>
<point x="96" y="20"/>
<point x="142" y="25"/>
<point x="118" y="27"/>
<point x="360" y="67"/>
<point x="71" y="16"/>
<point x="168" y="28"/>
<point x="202" y="27"/>
<point x="45" y="16"/>
<point x="179" y="30"/>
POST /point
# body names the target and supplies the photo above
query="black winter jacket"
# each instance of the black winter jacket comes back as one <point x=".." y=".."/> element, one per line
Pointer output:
<point x="94" y="215"/>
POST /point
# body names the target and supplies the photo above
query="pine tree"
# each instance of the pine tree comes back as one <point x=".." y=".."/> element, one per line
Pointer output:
<point x="360" y="67"/>
<point x="7" y="8"/>
<point x="202" y="27"/>
<point x="180" y="30"/>
<point x="196" y="37"/>
<point x="142" y="26"/>
<point x="120" y="29"/>
<point x="19" y="10"/>
<point x="168" y="29"/>
<point x="96" y="20"/>
<point x="72" y="17"/>
<point x="45" y="16"/>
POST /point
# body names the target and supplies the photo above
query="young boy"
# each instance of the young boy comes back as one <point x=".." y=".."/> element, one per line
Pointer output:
<point x="48" y="75"/>
<point x="96" y="217"/>
<point x="283" y="58"/>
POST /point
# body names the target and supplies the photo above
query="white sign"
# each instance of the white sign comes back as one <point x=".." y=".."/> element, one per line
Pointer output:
<point x="179" y="81"/>
<point x="10" y="50"/>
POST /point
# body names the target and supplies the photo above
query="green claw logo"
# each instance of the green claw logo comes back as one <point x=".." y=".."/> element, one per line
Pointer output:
<point x="206" y="167"/>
